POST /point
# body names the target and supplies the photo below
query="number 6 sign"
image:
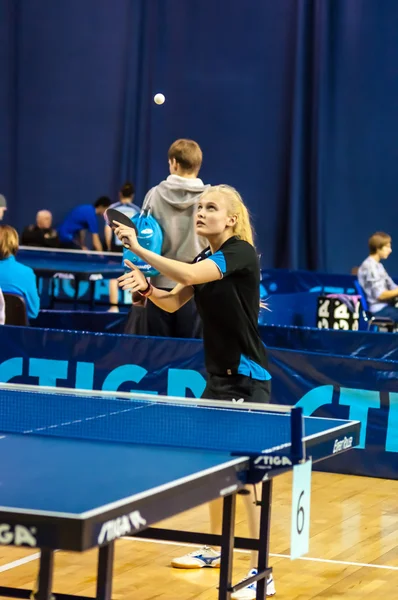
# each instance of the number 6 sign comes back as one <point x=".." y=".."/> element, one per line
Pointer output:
<point x="301" y="504"/>
<point x="300" y="518"/>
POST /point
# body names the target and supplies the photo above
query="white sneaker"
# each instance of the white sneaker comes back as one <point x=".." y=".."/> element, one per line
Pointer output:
<point x="249" y="592"/>
<point x="204" y="557"/>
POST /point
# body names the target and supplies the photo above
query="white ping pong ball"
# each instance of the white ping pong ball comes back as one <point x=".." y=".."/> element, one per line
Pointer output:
<point x="159" y="99"/>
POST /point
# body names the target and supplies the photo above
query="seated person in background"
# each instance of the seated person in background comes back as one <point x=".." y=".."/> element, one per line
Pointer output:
<point x="42" y="234"/>
<point x="379" y="288"/>
<point x="113" y="244"/>
<point x="3" y="206"/>
<point x="14" y="276"/>
<point x="2" y="309"/>
<point x="72" y="230"/>
<point x="126" y="206"/>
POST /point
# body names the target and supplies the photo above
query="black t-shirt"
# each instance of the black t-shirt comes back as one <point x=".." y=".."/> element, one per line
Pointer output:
<point x="43" y="238"/>
<point x="229" y="310"/>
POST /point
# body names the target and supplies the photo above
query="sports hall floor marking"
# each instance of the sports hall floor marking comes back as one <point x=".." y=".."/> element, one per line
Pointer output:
<point x="19" y="562"/>
<point x="27" y="559"/>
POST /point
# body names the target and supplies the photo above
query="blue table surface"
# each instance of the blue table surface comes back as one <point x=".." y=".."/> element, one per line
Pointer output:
<point x="69" y="262"/>
<point x="73" y="475"/>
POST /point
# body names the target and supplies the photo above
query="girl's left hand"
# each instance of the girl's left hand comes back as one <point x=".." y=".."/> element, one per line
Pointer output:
<point x="134" y="280"/>
<point x="129" y="234"/>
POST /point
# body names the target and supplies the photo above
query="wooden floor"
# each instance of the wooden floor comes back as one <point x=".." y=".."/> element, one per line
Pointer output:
<point x="354" y="529"/>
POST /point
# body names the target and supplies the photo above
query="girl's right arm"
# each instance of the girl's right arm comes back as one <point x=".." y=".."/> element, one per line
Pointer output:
<point x="172" y="300"/>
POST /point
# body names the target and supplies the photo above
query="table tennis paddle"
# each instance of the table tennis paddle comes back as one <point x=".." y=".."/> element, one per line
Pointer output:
<point x="111" y="215"/>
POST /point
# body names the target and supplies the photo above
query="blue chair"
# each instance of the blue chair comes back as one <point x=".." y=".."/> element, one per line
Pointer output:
<point x="385" y="323"/>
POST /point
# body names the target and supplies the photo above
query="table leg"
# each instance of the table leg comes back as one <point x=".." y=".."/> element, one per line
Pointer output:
<point x="76" y="296"/>
<point x="45" y="579"/>
<point x="227" y="547"/>
<point x="265" y="531"/>
<point x="52" y="292"/>
<point x="92" y="295"/>
<point x="105" y="571"/>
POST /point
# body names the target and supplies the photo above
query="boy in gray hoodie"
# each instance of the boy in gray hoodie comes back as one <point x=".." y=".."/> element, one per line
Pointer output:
<point x="173" y="204"/>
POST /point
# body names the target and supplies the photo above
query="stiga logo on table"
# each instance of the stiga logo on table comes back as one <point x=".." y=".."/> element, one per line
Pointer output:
<point x="268" y="462"/>
<point x="121" y="526"/>
<point x="17" y="535"/>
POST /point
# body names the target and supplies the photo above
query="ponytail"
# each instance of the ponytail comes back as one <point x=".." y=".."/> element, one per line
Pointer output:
<point x="243" y="229"/>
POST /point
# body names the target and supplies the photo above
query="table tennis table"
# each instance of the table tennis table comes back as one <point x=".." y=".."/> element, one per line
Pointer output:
<point x="76" y="265"/>
<point x="80" y="469"/>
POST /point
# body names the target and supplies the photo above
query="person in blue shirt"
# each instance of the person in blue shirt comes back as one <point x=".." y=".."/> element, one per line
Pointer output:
<point x="127" y="207"/>
<point x="83" y="218"/>
<point x="15" y="277"/>
<point x="113" y="244"/>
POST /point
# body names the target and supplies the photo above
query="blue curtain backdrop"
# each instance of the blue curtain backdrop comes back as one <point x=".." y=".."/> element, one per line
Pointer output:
<point x="294" y="102"/>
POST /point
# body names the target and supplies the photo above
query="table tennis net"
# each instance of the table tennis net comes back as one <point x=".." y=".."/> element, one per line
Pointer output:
<point x="151" y="420"/>
<point x="79" y="256"/>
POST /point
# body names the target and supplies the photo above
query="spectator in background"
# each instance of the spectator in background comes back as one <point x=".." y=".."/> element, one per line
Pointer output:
<point x="173" y="204"/>
<point x="3" y="206"/>
<point x="113" y="244"/>
<point x="14" y="276"/>
<point x="126" y="206"/>
<point x="72" y="231"/>
<point x="42" y="234"/>
<point x="2" y="309"/>
<point x="380" y="290"/>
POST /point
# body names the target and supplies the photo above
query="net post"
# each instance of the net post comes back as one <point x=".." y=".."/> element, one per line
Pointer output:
<point x="297" y="432"/>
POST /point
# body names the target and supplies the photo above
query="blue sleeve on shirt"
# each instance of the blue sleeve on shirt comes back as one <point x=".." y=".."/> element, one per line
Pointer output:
<point x="236" y="256"/>
<point x="31" y="295"/>
<point x="219" y="258"/>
